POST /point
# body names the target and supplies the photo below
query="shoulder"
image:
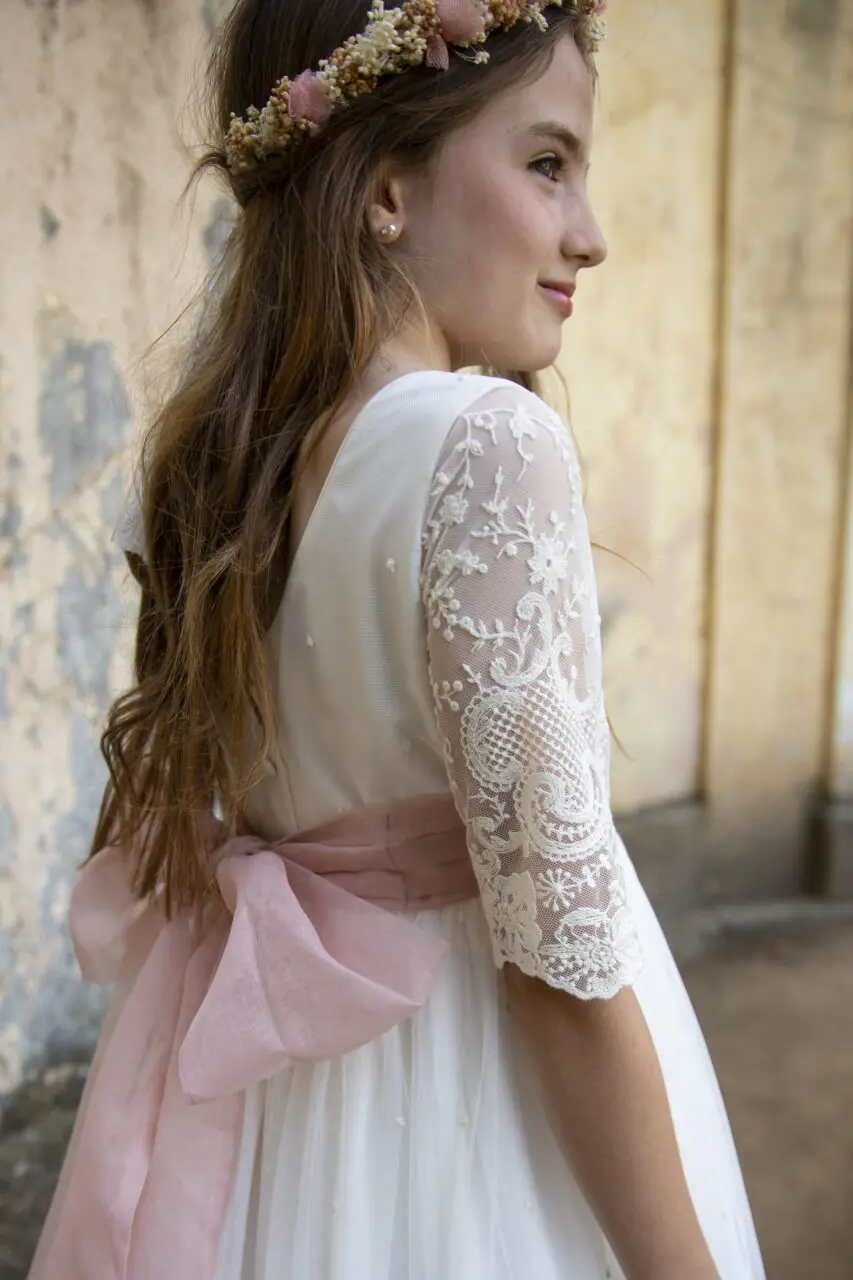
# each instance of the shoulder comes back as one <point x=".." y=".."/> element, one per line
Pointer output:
<point x="438" y="406"/>
<point x="504" y="424"/>
<point x="506" y="475"/>
<point x="505" y="513"/>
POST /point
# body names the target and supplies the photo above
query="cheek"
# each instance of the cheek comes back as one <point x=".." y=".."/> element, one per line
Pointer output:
<point x="499" y="227"/>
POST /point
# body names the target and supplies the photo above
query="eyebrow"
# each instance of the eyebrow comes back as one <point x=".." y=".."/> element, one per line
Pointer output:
<point x="559" y="133"/>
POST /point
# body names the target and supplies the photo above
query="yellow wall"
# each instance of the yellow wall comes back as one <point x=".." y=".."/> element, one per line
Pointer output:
<point x="641" y="357"/>
<point x="711" y="376"/>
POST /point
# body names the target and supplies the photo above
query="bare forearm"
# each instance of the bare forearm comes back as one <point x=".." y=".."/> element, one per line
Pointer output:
<point x="603" y="1084"/>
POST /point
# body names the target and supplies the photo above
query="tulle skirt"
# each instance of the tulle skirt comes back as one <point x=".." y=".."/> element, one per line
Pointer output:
<point x="427" y="1155"/>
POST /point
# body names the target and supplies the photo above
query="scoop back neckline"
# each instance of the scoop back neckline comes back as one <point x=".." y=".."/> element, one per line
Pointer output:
<point x="351" y="433"/>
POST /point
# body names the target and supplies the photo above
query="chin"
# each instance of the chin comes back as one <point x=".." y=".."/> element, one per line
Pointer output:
<point x="535" y="353"/>
<point x="536" y="357"/>
<point x="539" y="350"/>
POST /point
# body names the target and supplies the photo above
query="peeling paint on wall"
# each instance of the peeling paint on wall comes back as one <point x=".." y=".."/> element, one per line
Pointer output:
<point x="68" y="1013"/>
<point x="11" y="517"/>
<point x="7" y="834"/>
<point x="113" y="501"/>
<point x="105" y="256"/>
<point x="11" y="513"/>
<point x="50" y="224"/>
<point x="89" y="618"/>
<point x="212" y="13"/>
<point x="84" y="414"/>
<point x="218" y="229"/>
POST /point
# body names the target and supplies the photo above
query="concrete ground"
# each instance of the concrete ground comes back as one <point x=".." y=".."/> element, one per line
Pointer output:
<point x="778" y="1015"/>
<point x="35" y="1131"/>
<point x="777" y="1012"/>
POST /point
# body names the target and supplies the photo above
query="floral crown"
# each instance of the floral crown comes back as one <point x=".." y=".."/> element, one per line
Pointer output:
<point x="416" y="32"/>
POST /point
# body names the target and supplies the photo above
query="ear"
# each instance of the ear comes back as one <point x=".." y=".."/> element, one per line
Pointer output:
<point x="387" y="203"/>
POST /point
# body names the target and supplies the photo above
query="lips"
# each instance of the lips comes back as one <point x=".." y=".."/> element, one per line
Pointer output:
<point x="556" y="286"/>
<point x="560" y="294"/>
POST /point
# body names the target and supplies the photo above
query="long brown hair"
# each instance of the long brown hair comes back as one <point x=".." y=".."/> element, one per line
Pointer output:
<point x="302" y="300"/>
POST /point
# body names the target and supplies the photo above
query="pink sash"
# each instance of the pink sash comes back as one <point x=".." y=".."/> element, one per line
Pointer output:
<point x="309" y="962"/>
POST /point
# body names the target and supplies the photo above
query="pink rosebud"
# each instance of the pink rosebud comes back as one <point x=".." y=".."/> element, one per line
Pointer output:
<point x="461" y="21"/>
<point x="437" y="53"/>
<point x="308" y="100"/>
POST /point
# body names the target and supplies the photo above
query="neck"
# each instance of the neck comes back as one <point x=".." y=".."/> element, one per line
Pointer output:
<point x="416" y="344"/>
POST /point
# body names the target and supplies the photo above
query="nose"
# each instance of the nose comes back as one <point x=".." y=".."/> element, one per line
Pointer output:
<point x="584" y="241"/>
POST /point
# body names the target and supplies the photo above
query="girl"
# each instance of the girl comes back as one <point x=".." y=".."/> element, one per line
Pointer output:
<point x="401" y="1010"/>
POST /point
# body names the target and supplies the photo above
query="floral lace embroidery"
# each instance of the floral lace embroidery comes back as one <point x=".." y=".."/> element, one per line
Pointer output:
<point x="515" y="662"/>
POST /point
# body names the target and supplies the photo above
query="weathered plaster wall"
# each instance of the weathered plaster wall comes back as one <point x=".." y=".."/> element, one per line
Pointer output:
<point x="711" y="374"/>
<point x="96" y="260"/>
<point x="641" y="357"/>
<point x="782" y="436"/>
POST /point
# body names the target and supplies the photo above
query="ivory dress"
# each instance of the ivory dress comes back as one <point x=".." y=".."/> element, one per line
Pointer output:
<point x="440" y="630"/>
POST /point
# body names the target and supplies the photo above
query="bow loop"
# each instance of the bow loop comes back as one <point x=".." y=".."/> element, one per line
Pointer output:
<point x="307" y="972"/>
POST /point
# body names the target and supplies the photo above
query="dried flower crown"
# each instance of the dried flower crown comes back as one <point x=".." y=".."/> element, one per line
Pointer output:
<point x="416" y="32"/>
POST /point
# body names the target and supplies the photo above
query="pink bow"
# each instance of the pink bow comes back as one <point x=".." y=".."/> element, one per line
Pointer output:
<point x="298" y="969"/>
<point x="459" y="21"/>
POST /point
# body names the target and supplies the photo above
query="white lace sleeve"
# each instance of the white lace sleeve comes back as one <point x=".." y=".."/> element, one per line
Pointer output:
<point x="515" y="662"/>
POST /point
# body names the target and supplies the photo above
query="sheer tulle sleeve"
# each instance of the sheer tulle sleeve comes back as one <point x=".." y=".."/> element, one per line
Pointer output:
<point x="515" y="662"/>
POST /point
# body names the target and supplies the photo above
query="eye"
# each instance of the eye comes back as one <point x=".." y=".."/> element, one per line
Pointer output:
<point x="555" y="163"/>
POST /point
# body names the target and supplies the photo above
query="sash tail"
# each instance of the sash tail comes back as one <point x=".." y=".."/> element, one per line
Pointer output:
<point x="296" y="969"/>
